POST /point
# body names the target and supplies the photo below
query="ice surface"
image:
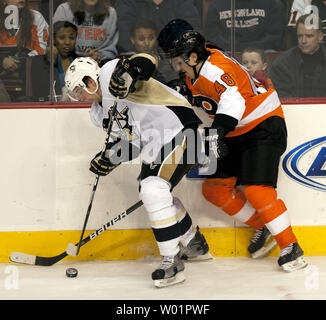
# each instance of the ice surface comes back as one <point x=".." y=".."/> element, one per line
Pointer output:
<point x="217" y="279"/>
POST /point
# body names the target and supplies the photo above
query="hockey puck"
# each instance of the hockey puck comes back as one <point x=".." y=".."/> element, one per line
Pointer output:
<point x="71" y="273"/>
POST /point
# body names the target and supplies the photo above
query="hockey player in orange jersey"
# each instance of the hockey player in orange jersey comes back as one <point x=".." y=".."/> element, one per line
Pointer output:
<point x="247" y="135"/>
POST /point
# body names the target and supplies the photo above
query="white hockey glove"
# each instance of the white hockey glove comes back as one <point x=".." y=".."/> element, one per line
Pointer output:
<point x="213" y="138"/>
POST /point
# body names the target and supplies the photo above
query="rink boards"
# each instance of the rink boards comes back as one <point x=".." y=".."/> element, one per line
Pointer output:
<point x="45" y="187"/>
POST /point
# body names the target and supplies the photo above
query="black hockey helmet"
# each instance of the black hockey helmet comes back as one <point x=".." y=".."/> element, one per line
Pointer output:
<point x="178" y="38"/>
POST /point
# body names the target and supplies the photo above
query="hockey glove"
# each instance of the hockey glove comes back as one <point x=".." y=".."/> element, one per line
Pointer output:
<point x="128" y="71"/>
<point x="102" y="165"/>
<point x="213" y="138"/>
<point x="180" y="86"/>
<point x="122" y="79"/>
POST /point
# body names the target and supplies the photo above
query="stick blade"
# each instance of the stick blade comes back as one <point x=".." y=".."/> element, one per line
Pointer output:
<point x="24" y="258"/>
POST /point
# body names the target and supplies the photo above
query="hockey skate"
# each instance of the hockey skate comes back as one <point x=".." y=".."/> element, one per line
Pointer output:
<point x="170" y="272"/>
<point x="261" y="243"/>
<point x="291" y="258"/>
<point x="197" y="248"/>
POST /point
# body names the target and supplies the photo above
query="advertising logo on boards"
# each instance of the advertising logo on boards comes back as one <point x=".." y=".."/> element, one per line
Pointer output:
<point x="306" y="164"/>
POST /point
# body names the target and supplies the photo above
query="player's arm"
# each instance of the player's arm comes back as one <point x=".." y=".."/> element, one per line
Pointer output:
<point x="117" y="151"/>
<point x="106" y="161"/>
<point x="122" y="147"/>
<point x="128" y="71"/>
<point x="231" y="106"/>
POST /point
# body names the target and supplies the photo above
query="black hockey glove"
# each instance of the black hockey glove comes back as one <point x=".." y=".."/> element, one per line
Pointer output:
<point x="214" y="144"/>
<point x="122" y="78"/>
<point x="180" y="86"/>
<point x="102" y="165"/>
<point x="127" y="72"/>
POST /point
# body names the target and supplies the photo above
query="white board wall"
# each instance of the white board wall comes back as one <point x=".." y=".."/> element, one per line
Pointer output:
<point x="45" y="183"/>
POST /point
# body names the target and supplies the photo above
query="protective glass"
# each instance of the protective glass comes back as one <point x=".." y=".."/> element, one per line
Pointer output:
<point x="177" y="63"/>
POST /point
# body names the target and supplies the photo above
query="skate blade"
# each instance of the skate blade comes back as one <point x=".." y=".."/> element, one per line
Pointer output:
<point x="297" y="264"/>
<point x="161" y="283"/>
<point x="201" y="257"/>
<point x="264" y="250"/>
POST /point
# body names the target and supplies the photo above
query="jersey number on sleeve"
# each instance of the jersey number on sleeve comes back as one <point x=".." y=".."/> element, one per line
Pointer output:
<point x="227" y="79"/>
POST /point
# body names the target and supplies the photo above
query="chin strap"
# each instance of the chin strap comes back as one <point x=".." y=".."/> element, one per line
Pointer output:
<point x="95" y="91"/>
<point x="195" y="71"/>
<point x="186" y="60"/>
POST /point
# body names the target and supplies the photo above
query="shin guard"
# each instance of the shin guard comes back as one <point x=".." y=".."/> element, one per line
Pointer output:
<point x="272" y="212"/>
<point x="224" y="194"/>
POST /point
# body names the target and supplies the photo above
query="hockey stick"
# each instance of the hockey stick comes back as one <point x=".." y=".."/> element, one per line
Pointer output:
<point x="112" y="112"/>
<point x="19" y="257"/>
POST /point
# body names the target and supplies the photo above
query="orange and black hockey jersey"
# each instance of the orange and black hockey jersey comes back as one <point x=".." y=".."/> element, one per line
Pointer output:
<point x="225" y="88"/>
<point x="39" y="37"/>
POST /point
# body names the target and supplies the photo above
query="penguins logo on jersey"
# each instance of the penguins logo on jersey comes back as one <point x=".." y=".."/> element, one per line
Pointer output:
<point x="121" y="126"/>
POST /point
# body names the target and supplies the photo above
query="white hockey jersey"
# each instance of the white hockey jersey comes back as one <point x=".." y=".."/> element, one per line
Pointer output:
<point x="156" y="112"/>
<point x="298" y="9"/>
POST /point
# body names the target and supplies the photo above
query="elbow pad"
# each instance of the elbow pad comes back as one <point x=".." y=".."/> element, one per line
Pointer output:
<point x="143" y="66"/>
<point x="224" y="123"/>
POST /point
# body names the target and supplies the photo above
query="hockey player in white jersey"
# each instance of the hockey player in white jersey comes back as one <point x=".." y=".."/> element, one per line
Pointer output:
<point x="160" y="123"/>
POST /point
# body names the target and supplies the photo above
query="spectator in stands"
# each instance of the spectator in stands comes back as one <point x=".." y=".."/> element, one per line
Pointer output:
<point x="158" y="11"/>
<point x="255" y="60"/>
<point x="64" y="41"/>
<point x="111" y="2"/>
<point x="97" y="29"/>
<point x="4" y="95"/>
<point x="202" y="7"/>
<point x="286" y="43"/>
<point x="301" y="7"/>
<point x="23" y="33"/>
<point x="143" y="36"/>
<point x="301" y="70"/>
<point x="258" y="24"/>
<point x="44" y="7"/>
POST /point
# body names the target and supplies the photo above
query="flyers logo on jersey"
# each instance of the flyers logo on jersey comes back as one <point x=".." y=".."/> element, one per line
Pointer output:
<point x="207" y="104"/>
<point x="210" y="105"/>
<point x="306" y="164"/>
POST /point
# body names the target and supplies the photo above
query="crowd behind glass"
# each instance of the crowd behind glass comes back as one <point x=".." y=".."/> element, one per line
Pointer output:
<point x="279" y="41"/>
